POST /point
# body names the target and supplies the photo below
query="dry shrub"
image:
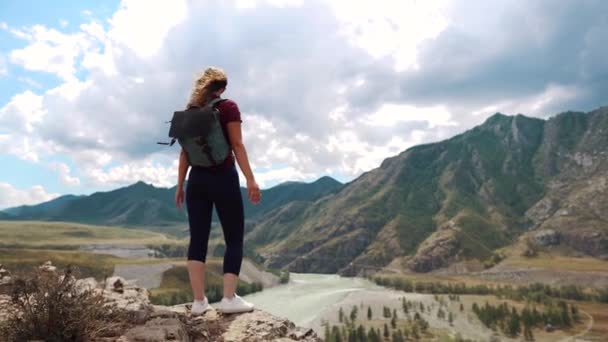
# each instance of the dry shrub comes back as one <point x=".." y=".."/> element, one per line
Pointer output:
<point x="49" y="306"/>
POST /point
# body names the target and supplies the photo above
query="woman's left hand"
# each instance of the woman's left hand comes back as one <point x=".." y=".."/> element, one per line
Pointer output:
<point x="179" y="197"/>
<point x="253" y="191"/>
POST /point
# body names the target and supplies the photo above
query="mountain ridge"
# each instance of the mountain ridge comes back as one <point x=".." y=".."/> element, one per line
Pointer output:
<point x="457" y="199"/>
<point x="142" y="204"/>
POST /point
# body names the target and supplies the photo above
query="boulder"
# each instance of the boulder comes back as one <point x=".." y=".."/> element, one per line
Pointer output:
<point x="48" y="267"/>
<point x="546" y="237"/>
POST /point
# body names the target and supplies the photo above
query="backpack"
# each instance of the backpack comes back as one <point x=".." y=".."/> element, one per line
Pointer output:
<point x="199" y="132"/>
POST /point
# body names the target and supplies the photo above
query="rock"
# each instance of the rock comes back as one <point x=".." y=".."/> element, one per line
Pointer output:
<point x="129" y="298"/>
<point x="5" y="302"/>
<point x="547" y="237"/>
<point x="48" y="267"/>
<point x="590" y="242"/>
<point x="5" y="276"/>
<point x="159" y="329"/>
<point x="261" y="326"/>
<point x="86" y="284"/>
<point x="541" y="211"/>
<point x="436" y="252"/>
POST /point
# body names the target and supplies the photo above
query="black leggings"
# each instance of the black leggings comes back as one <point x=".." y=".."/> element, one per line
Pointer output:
<point x="221" y="188"/>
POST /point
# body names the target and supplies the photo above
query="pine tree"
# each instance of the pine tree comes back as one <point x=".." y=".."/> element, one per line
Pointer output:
<point x="371" y="335"/>
<point x="386" y="333"/>
<point x="461" y="307"/>
<point x="528" y="336"/>
<point x="400" y="337"/>
<point x="369" y="313"/>
<point x="335" y="333"/>
<point x="451" y="318"/>
<point x="328" y="336"/>
<point x="415" y="333"/>
<point x="394" y="322"/>
<point x="575" y="315"/>
<point x="361" y="337"/>
<point x="353" y="313"/>
<point x="513" y="326"/>
<point x="565" y="314"/>
<point x="341" y="315"/>
<point x="440" y="314"/>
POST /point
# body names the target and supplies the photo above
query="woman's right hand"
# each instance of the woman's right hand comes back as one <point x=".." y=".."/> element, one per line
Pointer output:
<point x="179" y="197"/>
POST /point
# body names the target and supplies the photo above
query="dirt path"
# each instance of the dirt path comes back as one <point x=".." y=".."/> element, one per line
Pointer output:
<point x="575" y="338"/>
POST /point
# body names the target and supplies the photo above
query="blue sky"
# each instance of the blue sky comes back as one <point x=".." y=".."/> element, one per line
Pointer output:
<point x="324" y="87"/>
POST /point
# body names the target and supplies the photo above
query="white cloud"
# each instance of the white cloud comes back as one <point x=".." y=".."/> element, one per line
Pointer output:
<point x="49" y="50"/>
<point x="22" y="112"/>
<point x="12" y="197"/>
<point x="324" y="86"/>
<point x="141" y="25"/>
<point x="394" y="28"/>
<point x="389" y="114"/>
<point x="64" y="174"/>
<point x="271" y="177"/>
<point x="149" y="171"/>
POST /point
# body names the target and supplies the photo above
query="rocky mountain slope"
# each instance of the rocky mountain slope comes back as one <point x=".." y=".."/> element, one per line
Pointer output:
<point x="454" y="200"/>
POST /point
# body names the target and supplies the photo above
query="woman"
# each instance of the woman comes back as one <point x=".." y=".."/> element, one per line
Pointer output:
<point x="216" y="186"/>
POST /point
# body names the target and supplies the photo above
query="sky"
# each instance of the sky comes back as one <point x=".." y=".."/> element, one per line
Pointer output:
<point x="324" y="87"/>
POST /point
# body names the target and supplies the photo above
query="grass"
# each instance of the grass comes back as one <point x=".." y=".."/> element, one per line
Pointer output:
<point x="175" y="285"/>
<point x="559" y="263"/>
<point x="62" y="235"/>
<point x="86" y="264"/>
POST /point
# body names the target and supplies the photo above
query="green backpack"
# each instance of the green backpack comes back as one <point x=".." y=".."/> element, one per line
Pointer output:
<point x="199" y="131"/>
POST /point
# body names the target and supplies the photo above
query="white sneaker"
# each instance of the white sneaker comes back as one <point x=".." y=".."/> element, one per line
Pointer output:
<point x="200" y="306"/>
<point x="235" y="304"/>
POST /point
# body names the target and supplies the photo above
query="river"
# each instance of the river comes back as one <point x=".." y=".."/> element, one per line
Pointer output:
<point x="310" y="299"/>
<point x="306" y="296"/>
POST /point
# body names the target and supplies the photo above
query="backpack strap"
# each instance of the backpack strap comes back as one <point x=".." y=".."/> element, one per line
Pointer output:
<point x="215" y="101"/>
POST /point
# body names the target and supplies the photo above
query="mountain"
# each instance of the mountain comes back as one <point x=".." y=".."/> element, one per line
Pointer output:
<point x="455" y="200"/>
<point x="6" y="216"/>
<point x="141" y="204"/>
<point x="50" y="208"/>
<point x="288" y="192"/>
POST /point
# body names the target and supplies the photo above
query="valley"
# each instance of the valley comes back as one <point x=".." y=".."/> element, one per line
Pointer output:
<point x="513" y="210"/>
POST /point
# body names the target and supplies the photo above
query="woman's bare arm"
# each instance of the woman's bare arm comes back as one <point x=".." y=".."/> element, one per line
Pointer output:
<point x="182" y="169"/>
<point x="236" y="141"/>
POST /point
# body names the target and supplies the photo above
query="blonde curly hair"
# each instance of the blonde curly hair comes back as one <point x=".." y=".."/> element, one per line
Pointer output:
<point x="207" y="83"/>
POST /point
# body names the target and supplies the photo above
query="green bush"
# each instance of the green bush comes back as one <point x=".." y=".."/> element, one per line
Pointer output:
<point x="46" y="306"/>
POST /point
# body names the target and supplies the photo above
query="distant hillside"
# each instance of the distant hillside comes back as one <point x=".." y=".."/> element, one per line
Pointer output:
<point x="455" y="200"/>
<point x="143" y="205"/>
<point x="50" y="208"/>
<point x="5" y="216"/>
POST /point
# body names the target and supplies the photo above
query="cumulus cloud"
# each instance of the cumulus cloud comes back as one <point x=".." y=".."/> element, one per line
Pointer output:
<point x="64" y="174"/>
<point x="324" y="87"/>
<point x="9" y="195"/>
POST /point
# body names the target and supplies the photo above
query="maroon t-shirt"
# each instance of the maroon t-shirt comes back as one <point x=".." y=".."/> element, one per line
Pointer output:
<point x="229" y="112"/>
